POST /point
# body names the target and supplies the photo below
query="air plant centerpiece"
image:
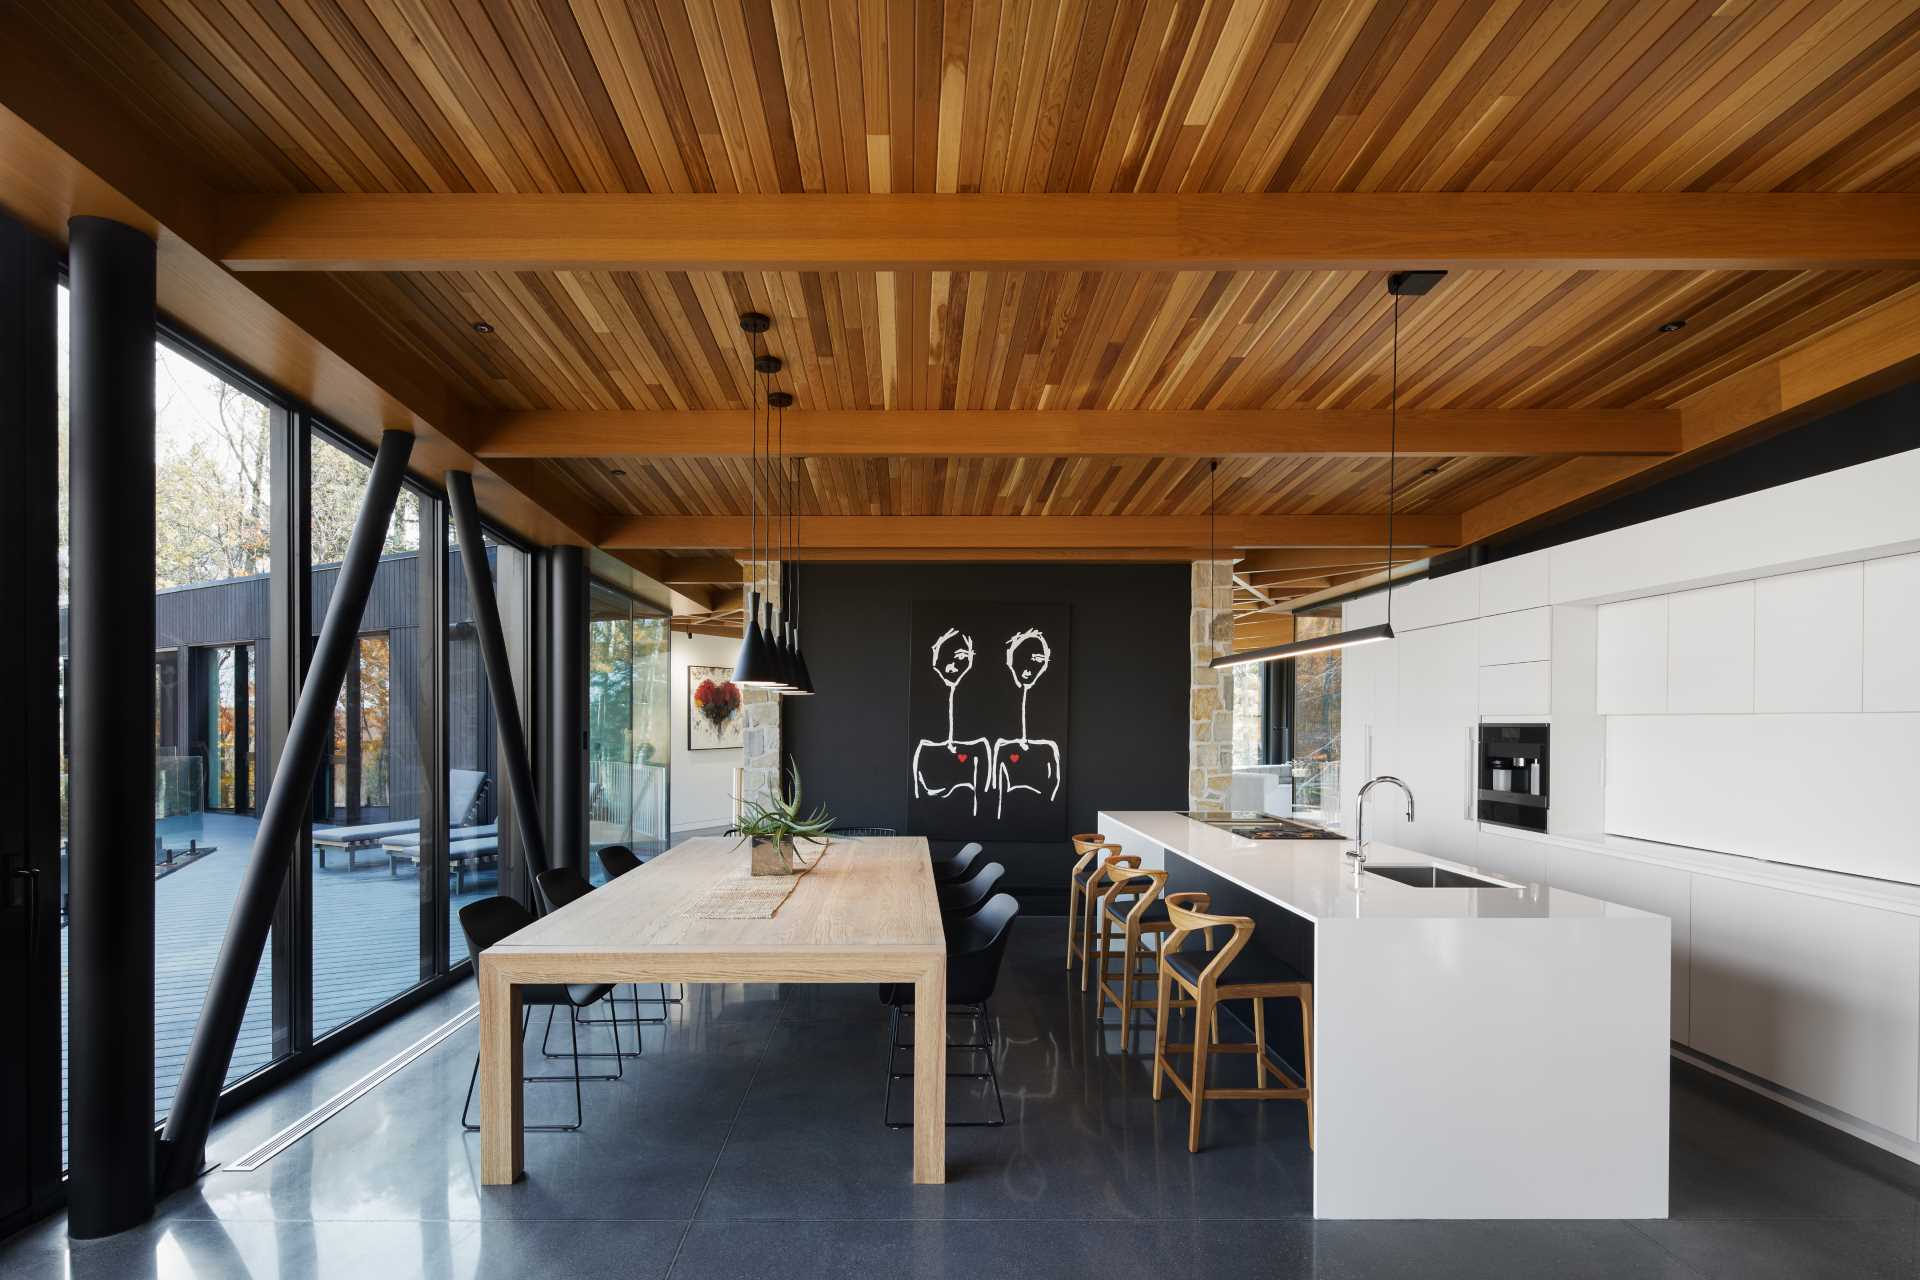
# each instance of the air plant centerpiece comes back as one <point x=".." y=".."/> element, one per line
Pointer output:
<point x="774" y="826"/>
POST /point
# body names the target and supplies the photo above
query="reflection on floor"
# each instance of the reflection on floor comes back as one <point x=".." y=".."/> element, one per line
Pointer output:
<point x="748" y="1142"/>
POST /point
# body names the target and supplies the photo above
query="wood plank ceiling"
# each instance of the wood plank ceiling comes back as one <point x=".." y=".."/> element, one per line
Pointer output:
<point x="1078" y="96"/>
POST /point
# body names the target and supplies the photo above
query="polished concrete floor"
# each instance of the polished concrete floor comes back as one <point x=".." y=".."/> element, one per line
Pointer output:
<point x="748" y="1142"/>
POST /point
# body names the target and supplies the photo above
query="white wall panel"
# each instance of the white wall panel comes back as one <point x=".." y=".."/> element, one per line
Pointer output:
<point x="1891" y="680"/>
<point x="1820" y="996"/>
<point x="1710" y="649"/>
<point x="1826" y="791"/>
<point x="1807" y="641"/>
<point x="1632" y="671"/>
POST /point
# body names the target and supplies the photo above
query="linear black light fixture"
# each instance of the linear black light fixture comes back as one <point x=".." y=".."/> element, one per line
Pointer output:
<point x="1401" y="284"/>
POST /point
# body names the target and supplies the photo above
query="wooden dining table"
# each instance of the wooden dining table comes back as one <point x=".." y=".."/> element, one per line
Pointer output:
<point x="866" y="912"/>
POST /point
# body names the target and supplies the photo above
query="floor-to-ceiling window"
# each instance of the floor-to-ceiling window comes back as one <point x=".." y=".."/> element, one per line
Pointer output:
<point x="629" y="739"/>
<point x="366" y="832"/>
<point x="216" y="676"/>
<point x="212" y="517"/>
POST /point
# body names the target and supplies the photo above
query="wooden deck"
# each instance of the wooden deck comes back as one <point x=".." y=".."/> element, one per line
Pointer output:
<point x="366" y="950"/>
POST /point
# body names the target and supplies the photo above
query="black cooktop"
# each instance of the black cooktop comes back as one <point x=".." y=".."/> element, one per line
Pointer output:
<point x="1252" y="824"/>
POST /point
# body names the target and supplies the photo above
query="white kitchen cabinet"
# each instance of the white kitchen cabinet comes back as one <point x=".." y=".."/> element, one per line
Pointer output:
<point x="1710" y="649"/>
<point x="1525" y="636"/>
<point x="1820" y="996"/>
<point x="1808" y="640"/>
<point x="1511" y="857"/>
<point x="1519" y="583"/>
<point x="1436" y="759"/>
<point x="1661" y="890"/>
<point x="1434" y="602"/>
<point x="1632" y="657"/>
<point x="1891" y="680"/>
<point x="1517" y="689"/>
<point x="1439" y="670"/>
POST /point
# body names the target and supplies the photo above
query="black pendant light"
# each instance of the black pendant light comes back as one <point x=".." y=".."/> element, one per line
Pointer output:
<point x="799" y="680"/>
<point x="774" y="624"/>
<point x="1401" y="284"/>
<point x="754" y="668"/>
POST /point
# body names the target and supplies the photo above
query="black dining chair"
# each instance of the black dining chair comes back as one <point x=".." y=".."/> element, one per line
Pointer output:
<point x="556" y="888"/>
<point x="975" y="947"/>
<point x="617" y="859"/>
<point x="493" y="920"/>
<point x="964" y="897"/>
<point x="943" y="860"/>
<point x="958" y="867"/>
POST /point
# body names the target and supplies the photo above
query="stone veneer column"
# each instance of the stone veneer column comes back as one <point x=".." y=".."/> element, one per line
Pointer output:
<point x="1210" y="692"/>
<point x="761" y="757"/>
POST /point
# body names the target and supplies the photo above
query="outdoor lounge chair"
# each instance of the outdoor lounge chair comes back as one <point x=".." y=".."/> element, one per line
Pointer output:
<point x="465" y="790"/>
<point x="466" y="847"/>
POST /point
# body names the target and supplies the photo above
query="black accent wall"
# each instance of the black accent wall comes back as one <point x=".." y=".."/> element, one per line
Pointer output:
<point x="1127" y="695"/>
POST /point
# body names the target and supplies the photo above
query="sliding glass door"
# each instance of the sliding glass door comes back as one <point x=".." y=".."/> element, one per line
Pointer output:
<point x="629" y="739"/>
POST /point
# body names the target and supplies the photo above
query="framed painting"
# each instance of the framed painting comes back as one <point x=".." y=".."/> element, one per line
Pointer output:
<point x="714" y="716"/>
<point x="987" y="717"/>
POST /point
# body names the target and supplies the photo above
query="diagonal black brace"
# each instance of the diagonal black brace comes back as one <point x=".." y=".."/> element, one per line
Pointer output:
<point x="183" y="1144"/>
<point x="493" y="656"/>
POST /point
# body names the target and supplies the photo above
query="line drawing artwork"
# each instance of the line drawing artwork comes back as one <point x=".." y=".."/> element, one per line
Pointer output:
<point x="943" y="766"/>
<point x="1025" y="763"/>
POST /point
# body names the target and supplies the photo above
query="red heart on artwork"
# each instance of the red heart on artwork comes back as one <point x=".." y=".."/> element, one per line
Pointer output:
<point x="1014" y="757"/>
<point x="962" y="756"/>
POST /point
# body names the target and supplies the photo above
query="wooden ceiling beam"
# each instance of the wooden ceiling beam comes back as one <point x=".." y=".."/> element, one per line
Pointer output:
<point x="701" y="571"/>
<point x="1077" y="532"/>
<point x="1081" y="432"/>
<point x="1375" y="231"/>
<point x="1857" y="358"/>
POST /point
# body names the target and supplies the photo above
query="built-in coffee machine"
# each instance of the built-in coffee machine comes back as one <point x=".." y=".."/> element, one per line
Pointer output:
<point x="1513" y="775"/>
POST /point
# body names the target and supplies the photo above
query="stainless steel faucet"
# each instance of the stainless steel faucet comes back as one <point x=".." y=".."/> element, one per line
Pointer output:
<point x="1359" y="851"/>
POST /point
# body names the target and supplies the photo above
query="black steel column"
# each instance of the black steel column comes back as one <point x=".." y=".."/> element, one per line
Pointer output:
<point x="430" y="729"/>
<point x="110" y="697"/>
<point x="493" y="656"/>
<point x="566" y="793"/>
<point x="283" y="818"/>
<point x="29" y="728"/>
<point x="289" y="635"/>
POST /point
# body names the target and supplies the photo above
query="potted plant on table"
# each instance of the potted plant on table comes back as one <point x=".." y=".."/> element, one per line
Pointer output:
<point x="772" y="827"/>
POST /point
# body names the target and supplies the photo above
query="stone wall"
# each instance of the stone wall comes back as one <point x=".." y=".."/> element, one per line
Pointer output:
<point x="1210" y="711"/>
<point x="760" y="740"/>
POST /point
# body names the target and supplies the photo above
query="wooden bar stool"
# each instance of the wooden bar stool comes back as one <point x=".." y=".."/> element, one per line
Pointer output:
<point x="1086" y="848"/>
<point x="1113" y="865"/>
<point x="1227" y="974"/>
<point x="1131" y="912"/>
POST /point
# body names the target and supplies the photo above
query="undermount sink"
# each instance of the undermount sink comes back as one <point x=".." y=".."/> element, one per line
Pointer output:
<point x="1431" y="877"/>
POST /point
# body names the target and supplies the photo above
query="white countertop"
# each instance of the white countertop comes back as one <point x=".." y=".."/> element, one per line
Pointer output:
<point x="1313" y="878"/>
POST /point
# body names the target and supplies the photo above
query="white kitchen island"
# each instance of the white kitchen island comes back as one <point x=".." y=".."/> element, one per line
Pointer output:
<point x="1478" y="1053"/>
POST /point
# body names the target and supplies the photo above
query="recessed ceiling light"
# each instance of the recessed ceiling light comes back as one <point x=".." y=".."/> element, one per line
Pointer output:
<point x="1673" y="326"/>
<point x="481" y="326"/>
<point x="615" y="471"/>
<point x="1431" y="471"/>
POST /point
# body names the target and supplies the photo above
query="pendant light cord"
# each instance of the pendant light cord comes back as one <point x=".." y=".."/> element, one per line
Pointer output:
<point x="1393" y="449"/>
<point x="753" y="480"/>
